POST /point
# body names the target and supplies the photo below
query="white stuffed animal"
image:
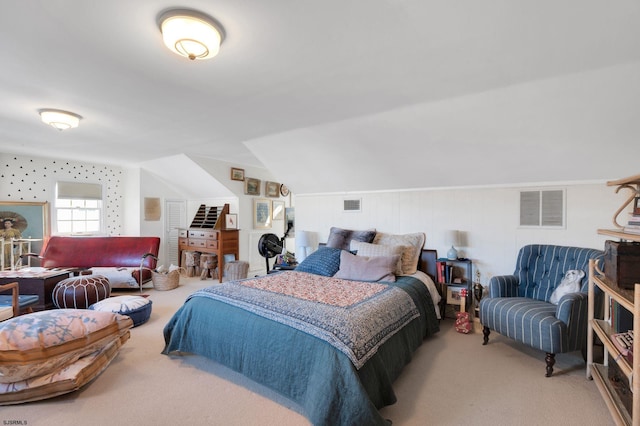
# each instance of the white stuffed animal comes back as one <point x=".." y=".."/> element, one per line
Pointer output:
<point x="569" y="284"/>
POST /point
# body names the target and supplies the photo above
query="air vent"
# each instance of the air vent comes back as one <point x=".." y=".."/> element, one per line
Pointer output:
<point x="542" y="208"/>
<point x="353" y="205"/>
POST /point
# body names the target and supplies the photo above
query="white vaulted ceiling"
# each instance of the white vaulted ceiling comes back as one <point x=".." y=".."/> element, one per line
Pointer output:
<point x="336" y="95"/>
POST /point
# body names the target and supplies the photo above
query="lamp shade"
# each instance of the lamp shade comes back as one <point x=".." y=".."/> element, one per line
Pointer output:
<point x="452" y="237"/>
<point x="60" y="119"/>
<point x="306" y="242"/>
<point x="191" y="34"/>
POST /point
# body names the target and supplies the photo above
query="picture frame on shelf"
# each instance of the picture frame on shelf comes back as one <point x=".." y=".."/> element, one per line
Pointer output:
<point x="251" y="186"/>
<point x="231" y="221"/>
<point x="261" y="213"/>
<point x="277" y="210"/>
<point x="237" y="174"/>
<point x="272" y="189"/>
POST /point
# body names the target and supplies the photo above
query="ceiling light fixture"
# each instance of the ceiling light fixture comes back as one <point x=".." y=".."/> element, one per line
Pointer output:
<point x="60" y="119"/>
<point x="190" y="33"/>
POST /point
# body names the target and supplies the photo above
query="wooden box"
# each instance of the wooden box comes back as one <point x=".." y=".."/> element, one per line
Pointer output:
<point x="622" y="263"/>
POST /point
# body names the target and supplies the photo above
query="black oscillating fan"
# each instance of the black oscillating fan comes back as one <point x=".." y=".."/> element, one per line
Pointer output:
<point x="269" y="246"/>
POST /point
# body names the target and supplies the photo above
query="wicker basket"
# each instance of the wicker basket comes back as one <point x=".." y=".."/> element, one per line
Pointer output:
<point x="167" y="281"/>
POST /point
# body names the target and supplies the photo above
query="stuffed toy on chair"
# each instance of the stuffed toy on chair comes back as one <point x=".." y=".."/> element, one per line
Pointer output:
<point x="569" y="284"/>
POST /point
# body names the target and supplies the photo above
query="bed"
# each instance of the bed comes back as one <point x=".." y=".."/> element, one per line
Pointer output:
<point x="236" y="325"/>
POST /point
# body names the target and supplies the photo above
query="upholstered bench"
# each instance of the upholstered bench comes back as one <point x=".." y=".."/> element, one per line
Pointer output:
<point x="81" y="292"/>
<point x="137" y="308"/>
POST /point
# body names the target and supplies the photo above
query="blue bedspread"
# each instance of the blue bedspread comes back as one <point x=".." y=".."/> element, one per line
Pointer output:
<point x="303" y="368"/>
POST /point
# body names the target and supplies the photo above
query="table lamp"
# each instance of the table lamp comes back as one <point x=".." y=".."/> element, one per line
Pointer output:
<point x="453" y="238"/>
<point x="306" y="242"/>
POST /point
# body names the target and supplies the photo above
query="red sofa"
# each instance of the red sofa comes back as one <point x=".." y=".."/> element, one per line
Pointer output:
<point x="90" y="252"/>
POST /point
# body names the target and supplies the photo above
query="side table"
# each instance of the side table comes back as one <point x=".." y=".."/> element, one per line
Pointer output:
<point x="40" y="284"/>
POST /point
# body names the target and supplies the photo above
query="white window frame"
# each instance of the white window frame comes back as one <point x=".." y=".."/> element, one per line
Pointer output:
<point x="79" y="205"/>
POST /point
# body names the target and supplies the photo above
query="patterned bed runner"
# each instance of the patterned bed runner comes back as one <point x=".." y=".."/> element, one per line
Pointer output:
<point x="355" y="317"/>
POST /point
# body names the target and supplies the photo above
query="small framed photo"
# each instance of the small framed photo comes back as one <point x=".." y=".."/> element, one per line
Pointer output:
<point x="271" y="189"/>
<point x="453" y="295"/>
<point x="237" y="174"/>
<point x="231" y="221"/>
<point x="251" y="186"/>
<point x="636" y="206"/>
<point x="261" y="213"/>
<point x="277" y="208"/>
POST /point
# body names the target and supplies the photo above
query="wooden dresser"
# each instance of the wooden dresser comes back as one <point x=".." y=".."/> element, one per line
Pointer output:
<point x="207" y="235"/>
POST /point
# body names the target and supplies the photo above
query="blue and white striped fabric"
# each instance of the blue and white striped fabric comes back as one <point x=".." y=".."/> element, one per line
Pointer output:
<point x="518" y="305"/>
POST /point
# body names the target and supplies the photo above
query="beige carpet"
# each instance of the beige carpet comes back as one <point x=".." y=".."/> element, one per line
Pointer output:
<point x="453" y="380"/>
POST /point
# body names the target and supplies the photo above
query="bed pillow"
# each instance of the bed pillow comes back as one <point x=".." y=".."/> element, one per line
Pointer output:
<point x="363" y="268"/>
<point x="324" y="261"/>
<point x="42" y="342"/>
<point x="118" y="277"/>
<point x="66" y="379"/>
<point x="370" y="250"/>
<point x="341" y="238"/>
<point x="413" y="244"/>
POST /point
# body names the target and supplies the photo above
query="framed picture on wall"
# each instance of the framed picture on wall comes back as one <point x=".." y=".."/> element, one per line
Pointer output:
<point x="277" y="210"/>
<point x="27" y="222"/>
<point x="251" y="186"/>
<point x="237" y="174"/>
<point x="272" y="189"/>
<point x="261" y="213"/>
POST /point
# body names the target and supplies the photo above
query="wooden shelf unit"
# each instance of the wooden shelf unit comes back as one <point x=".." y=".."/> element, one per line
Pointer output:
<point x="207" y="234"/>
<point x="629" y="300"/>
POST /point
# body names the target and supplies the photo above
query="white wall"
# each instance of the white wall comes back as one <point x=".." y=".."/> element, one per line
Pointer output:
<point x="488" y="217"/>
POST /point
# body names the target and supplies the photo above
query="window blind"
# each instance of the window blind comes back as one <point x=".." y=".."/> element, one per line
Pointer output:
<point x="79" y="191"/>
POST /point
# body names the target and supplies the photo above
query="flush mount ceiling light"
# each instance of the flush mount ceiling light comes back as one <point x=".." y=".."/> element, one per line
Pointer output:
<point x="60" y="119"/>
<point x="190" y="33"/>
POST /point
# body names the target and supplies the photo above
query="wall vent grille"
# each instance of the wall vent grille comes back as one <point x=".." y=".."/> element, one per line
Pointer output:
<point x="542" y="208"/>
<point x="352" y="205"/>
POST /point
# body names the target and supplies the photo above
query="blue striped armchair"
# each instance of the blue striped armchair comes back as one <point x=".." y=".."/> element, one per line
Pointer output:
<point x="518" y="305"/>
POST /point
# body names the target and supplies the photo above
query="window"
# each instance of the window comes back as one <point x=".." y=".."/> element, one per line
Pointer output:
<point x="78" y="208"/>
<point x="542" y="208"/>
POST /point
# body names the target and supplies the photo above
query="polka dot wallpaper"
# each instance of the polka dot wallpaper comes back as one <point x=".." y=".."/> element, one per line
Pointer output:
<point x="33" y="179"/>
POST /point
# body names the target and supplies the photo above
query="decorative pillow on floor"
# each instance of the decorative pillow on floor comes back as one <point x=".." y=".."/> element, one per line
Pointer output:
<point x="42" y="342"/>
<point x="118" y="277"/>
<point x="137" y="308"/>
<point x="64" y="380"/>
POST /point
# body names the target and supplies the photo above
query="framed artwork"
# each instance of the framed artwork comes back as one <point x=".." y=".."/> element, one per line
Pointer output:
<point x="231" y="221"/>
<point x="152" y="208"/>
<point x="251" y="186"/>
<point x="237" y="174"/>
<point x="28" y="221"/>
<point x="453" y="295"/>
<point x="290" y="215"/>
<point x="261" y="213"/>
<point x="277" y="208"/>
<point x="636" y="206"/>
<point x="271" y="189"/>
<point x="284" y="191"/>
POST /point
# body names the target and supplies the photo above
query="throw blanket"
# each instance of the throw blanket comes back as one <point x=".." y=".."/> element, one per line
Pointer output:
<point x="355" y="317"/>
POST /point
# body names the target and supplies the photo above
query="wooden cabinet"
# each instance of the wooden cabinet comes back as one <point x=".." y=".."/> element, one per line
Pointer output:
<point x="207" y="234"/>
<point x="210" y="241"/>
<point x="624" y="412"/>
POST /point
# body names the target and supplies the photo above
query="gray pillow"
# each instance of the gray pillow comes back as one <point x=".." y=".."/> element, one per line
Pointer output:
<point x="341" y="238"/>
<point x="363" y="268"/>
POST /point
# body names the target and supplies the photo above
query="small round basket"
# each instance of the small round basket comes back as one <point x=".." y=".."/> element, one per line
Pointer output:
<point x="167" y="281"/>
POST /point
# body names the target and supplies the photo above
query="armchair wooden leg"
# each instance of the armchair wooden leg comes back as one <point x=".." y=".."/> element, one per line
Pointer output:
<point x="485" y="332"/>
<point x="551" y="360"/>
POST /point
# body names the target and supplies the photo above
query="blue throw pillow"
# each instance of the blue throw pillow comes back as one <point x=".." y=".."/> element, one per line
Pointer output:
<point x="324" y="261"/>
